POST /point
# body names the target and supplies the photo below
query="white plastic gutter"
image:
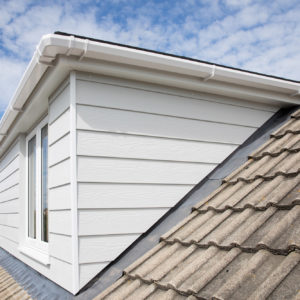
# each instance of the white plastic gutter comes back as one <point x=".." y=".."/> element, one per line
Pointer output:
<point x="53" y="45"/>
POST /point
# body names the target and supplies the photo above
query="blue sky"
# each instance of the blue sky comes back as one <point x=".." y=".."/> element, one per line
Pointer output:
<point x="262" y="36"/>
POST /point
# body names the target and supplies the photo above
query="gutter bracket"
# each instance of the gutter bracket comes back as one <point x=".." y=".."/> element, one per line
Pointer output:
<point x="71" y="45"/>
<point x="50" y="64"/>
<point x="86" y="44"/>
<point x="16" y="109"/>
<point x="295" y="94"/>
<point x="211" y="75"/>
<point x="40" y="56"/>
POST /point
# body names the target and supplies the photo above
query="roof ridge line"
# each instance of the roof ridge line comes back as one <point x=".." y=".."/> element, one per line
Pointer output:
<point x="246" y="206"/>
<point x="259" y="246"/>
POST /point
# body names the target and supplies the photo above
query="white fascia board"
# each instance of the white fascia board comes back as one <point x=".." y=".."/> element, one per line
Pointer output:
<point x="171" y="70"/>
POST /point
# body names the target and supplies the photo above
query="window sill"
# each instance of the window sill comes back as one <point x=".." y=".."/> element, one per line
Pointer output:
<point x="35" y="254"/>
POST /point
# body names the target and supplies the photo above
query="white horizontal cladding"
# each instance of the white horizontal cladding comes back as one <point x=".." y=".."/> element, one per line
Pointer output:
<point x="9" y="197"/>
<point x="120" y="195"/>
<point x="9" y="156"/>
<point x="60" y="222"/>
<point x="9" y="233"/>
<point x="10" y="193"/>
<point x="89" y="271"/>
<point x="117" y="221"/>
<point x="59" y="146"/>
<point x="148" y="99"/>
<point x="10" y="168"/>
<point x="140" y="149"/>
<point x="9" y="219"/>
<point x="103" y="248"/>
<point x="59" y="174"/>
<point x="60" y="246"/>
<point x="60" y="197"/>
<point x="59" y="194"/>
<point x="172" y="91"/>
<point x="121" y="121"/>
<point x="60" y="150"/>
<point x="60" y="127"/>
<point x="9" y="182"/>
<point x="60" y="227"/>
<point x="107" y="144"/>
<point x="59" y="102"/>
<point x="9" y="175"/>
<point x="61" y="273"/>
<point x="95" y="169"/>
<point x="9" y="207"/>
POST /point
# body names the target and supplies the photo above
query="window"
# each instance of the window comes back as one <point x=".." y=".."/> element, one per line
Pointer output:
<point x="32" y="188"/>
<point x="37" y="187"/>
<point x="44" y="183"/>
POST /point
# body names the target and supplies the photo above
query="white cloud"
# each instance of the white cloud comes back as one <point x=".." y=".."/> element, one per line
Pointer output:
<point x="251" y="34"/>
<point x="10" y="73"/>
<point x="237" y="3"/>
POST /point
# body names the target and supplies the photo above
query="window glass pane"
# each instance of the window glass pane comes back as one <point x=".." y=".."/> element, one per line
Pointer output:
<point x="32" y="188"/>
<point x="44" y="192"/>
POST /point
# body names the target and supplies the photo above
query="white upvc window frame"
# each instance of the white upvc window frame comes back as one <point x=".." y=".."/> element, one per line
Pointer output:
<point x="35" y="247"/>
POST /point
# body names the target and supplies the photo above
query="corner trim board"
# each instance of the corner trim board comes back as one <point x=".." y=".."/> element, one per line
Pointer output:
<point x="73" y="175"/>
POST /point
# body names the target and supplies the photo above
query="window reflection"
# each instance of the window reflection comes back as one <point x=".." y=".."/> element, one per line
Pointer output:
<point x="32" y="188"/>
<point x="44" y="178"/>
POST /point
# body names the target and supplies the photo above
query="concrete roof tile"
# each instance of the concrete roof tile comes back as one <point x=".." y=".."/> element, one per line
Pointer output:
<point x="241" y="242"/>
<point x="11" y="289"/>
<point x="291" y="127"/>
<point x="281" y="192"/>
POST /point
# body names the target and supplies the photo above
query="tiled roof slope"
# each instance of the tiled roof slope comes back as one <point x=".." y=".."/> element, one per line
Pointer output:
<point x="241" y="242"/>
<point x="10" y="289"/>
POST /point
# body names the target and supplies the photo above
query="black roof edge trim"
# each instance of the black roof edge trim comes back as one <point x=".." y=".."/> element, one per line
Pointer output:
<point x="213" y="180"/>
<point x="173" y="55"/>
